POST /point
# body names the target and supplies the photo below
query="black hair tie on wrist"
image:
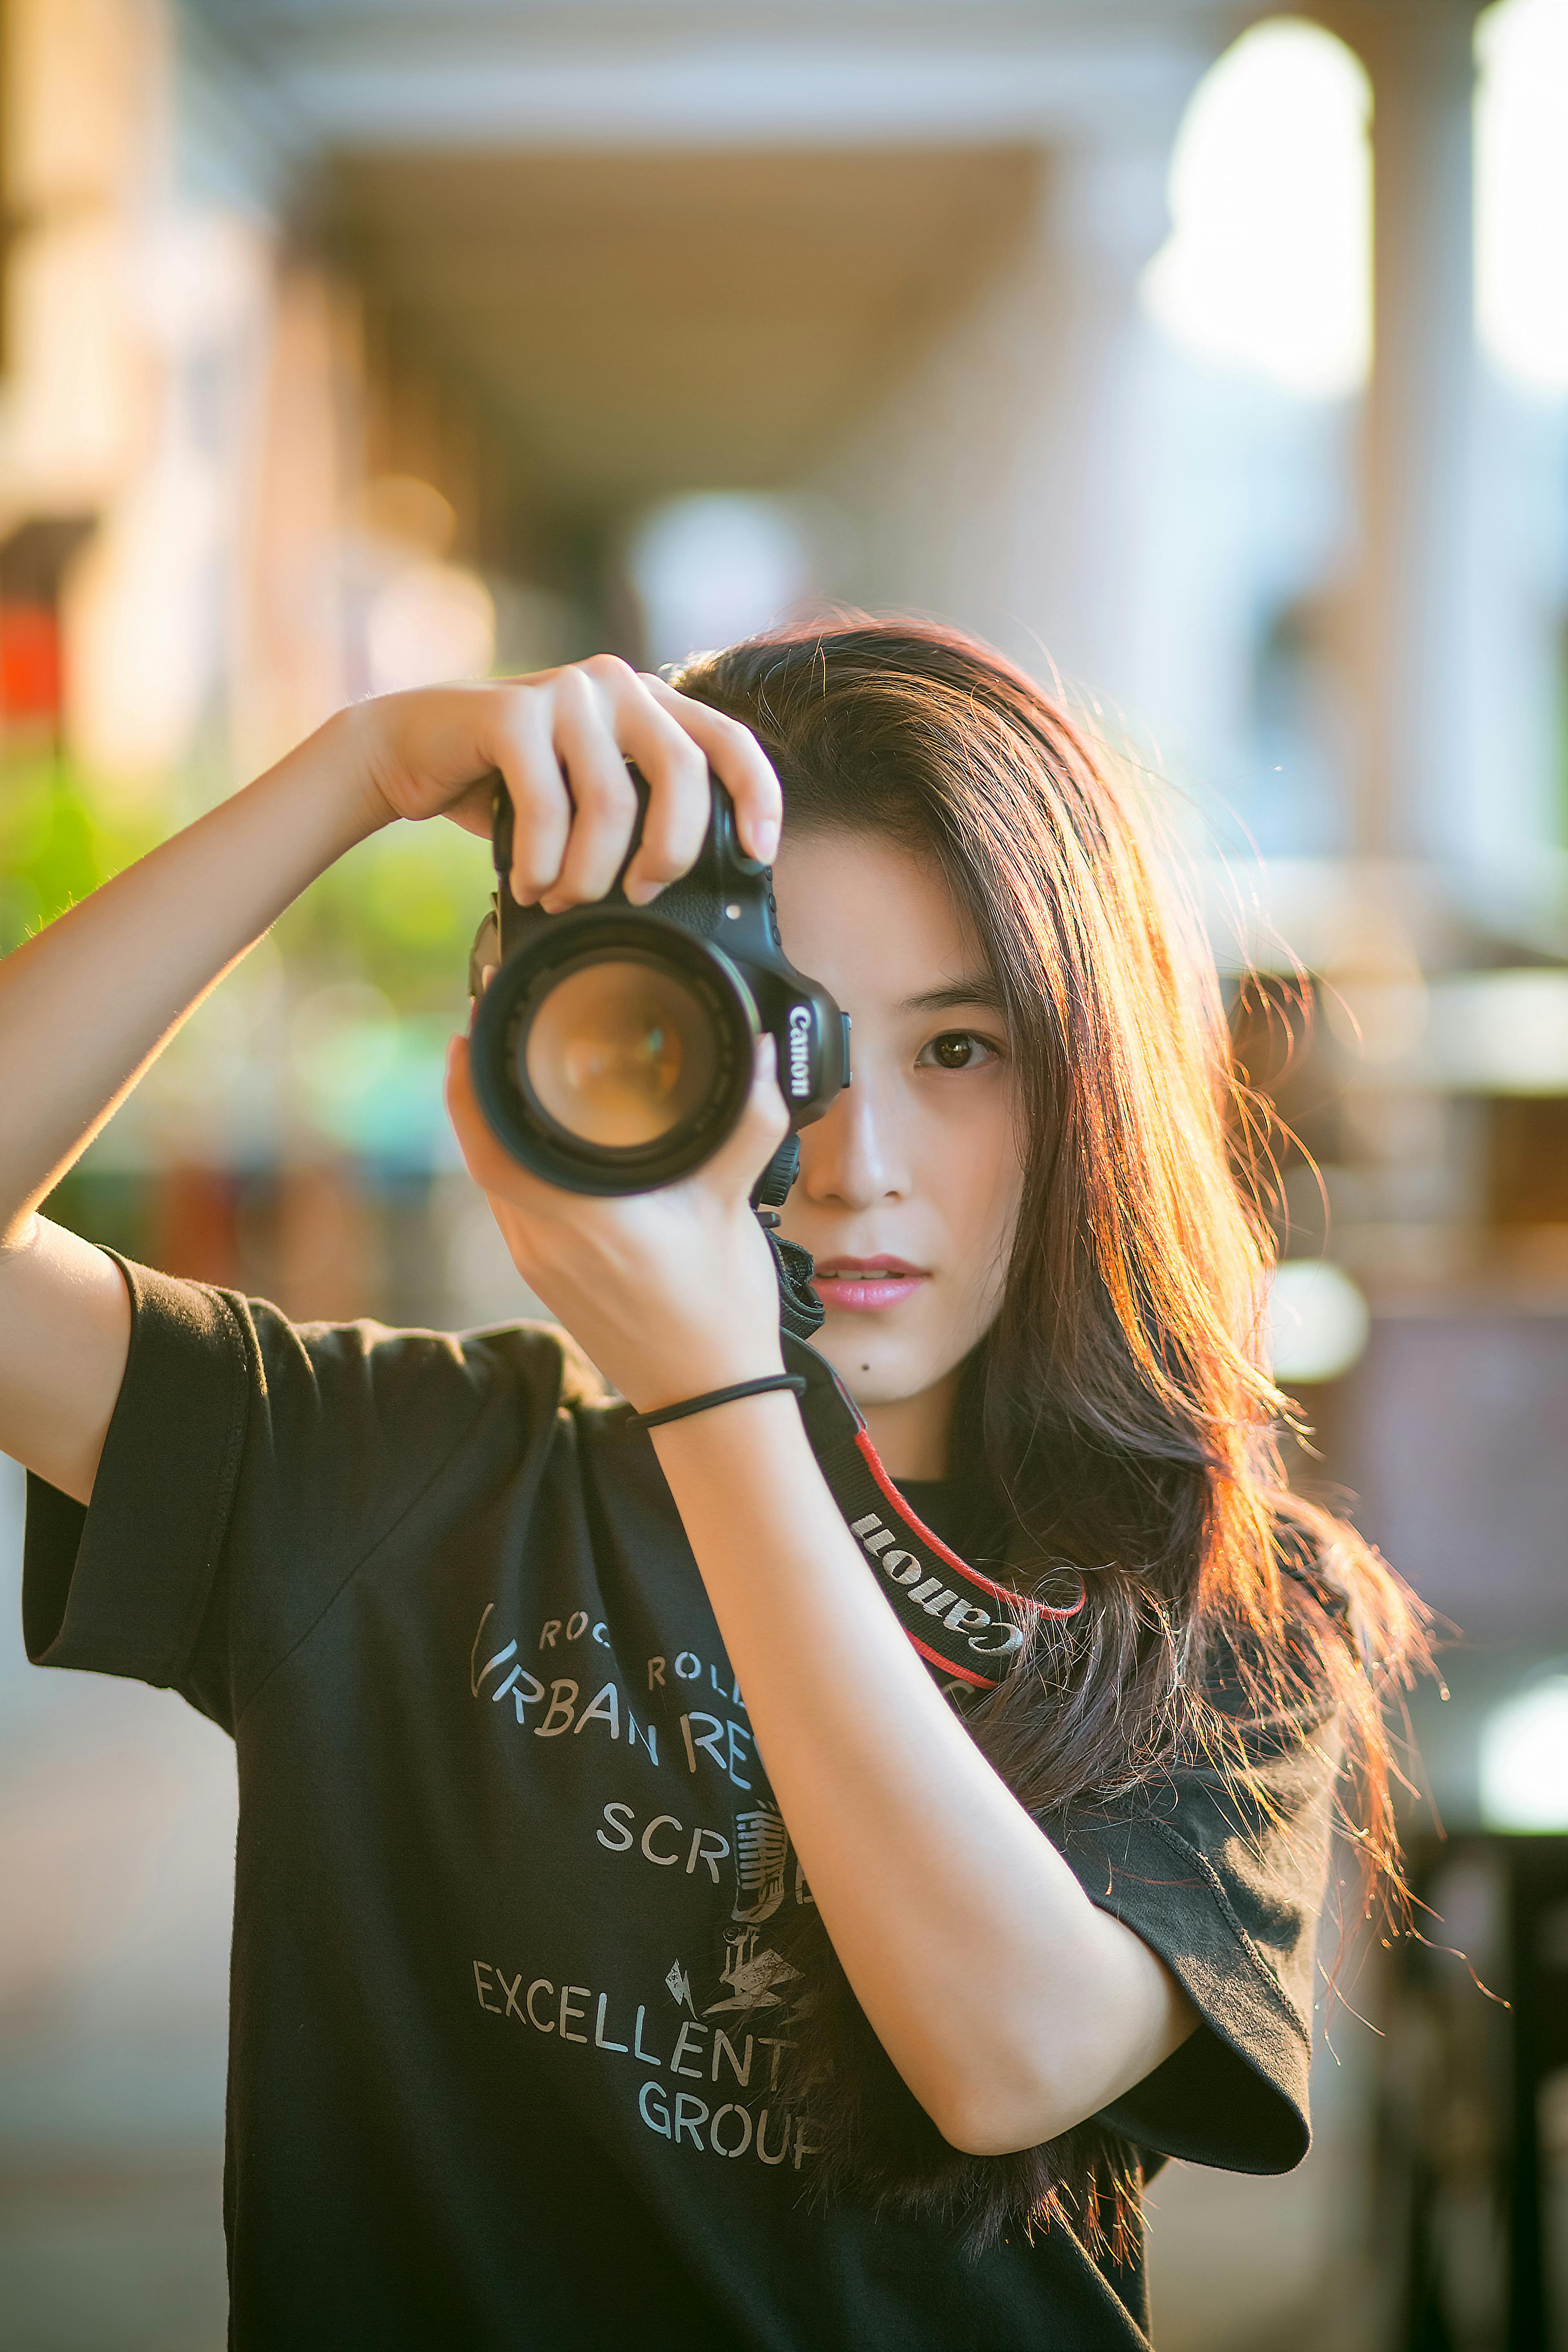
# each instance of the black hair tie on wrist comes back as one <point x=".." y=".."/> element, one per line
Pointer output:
<point x="716" y="1396"/>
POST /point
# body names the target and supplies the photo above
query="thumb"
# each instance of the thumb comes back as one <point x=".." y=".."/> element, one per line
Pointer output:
<point x="491" y="1166"/>
<point x="761" y="1128"/>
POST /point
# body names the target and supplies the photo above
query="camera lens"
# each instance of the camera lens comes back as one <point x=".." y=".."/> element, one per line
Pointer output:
<point x="618" y="1053"/>
<point x="612" y="1052"/>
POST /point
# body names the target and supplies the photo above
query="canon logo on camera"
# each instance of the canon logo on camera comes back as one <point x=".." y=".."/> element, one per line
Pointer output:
<point x="800" y="1050"/>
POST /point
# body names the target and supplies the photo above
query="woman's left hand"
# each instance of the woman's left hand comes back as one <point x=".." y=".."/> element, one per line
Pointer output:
<point x="668" y="1293"/>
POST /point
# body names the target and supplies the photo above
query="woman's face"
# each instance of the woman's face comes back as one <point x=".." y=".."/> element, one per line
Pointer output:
<point x="909" y="1188"/>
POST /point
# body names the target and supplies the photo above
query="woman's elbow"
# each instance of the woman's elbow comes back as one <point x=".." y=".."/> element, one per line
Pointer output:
<point x="982" y="2136"/>
<point x="1043" y="2080"/>
<point x="1002" y="2122"/>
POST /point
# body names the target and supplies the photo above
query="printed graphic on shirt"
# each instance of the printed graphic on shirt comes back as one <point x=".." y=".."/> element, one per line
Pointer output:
<point x="761" y="1854"/>
<point x="551" y="1709"/>
<point x="755" y="1975"/>
<point x="732" y="1990"/>
<point x="736" y="2057"/>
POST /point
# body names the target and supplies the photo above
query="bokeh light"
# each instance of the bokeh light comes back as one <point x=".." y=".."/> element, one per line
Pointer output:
<point x="1521" y="194"/>
<point x="431" y="622"/>
<point x="1319" y="1322"/>
<point x="1268" y="264"/>
<point x="1525" y="1758"/>
<point x="709" y="568"/>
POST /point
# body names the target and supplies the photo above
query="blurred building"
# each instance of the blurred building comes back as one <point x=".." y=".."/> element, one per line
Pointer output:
<point x="1213" y="361"/>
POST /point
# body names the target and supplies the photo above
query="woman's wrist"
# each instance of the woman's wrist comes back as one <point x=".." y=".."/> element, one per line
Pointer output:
<point x="730" y="1393"/>
<point x="765" y="1419"/>
<point x="340" y="760"/>
<point x="700" y="1375"/>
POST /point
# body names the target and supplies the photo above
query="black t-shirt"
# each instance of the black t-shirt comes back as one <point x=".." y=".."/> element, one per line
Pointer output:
<point x="940" y="1501"/>
<point x="505" y="2017"/>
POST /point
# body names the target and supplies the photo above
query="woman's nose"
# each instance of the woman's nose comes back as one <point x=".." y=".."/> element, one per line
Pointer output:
<point x="853" y="1157"/>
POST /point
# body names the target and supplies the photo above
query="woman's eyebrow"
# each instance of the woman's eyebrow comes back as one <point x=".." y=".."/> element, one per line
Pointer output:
<point x="981" y="989"/>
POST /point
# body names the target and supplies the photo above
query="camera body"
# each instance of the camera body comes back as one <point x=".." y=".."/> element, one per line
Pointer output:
<point x="611" y="1050"/>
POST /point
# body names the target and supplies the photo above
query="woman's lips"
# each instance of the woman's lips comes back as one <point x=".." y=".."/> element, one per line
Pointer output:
<point x="866" y="1284"/>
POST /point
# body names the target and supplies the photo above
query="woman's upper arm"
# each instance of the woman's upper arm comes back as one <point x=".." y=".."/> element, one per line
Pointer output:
<point x="1150" y="2015"/>
<point x="64" y="1334"/>
<point x="1138" y="2016"/>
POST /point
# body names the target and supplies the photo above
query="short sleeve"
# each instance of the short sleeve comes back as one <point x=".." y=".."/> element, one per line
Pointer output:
<point x="250" y="1464"/>
<point x="1227" y="1886"/>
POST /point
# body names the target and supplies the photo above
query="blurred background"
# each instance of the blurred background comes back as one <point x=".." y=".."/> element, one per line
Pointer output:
<point x="1211" y="363"/>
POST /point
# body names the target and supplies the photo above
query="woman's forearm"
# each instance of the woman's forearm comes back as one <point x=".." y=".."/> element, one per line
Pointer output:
<point x="1012" y="2007"/>
<point x="87" y="1004"/>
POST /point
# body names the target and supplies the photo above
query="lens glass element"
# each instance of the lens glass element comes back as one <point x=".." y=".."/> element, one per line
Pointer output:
<point x="619" y="1054"/>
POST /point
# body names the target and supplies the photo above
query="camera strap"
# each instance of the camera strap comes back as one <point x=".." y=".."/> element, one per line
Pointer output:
<point x="962" y="1623"/>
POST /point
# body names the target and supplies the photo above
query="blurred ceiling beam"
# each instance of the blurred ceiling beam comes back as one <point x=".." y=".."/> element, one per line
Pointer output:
<point x="643" y="324"/>
<point x="672" y="246"/>
<point x="620" y="72"/>
<point x="679" y="246"/>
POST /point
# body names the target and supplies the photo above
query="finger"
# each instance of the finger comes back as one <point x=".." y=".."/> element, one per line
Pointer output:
<point x="675" y="769"/>
<point x="680" y="808"/>
<point x="478" y="1144"/>
<point x="737" y="758"/>
<point x="604" y="802"/>
<point x="519" y="744"/>
<point x="760" y="1129"/>
<point x="475" y="812"/>
<point x="488" y="1161"/>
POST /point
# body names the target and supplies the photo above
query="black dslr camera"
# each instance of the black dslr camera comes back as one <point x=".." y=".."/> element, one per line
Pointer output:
<point x="611" y="1050"/>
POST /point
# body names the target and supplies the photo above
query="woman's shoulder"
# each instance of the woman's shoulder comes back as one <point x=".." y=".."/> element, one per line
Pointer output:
<point x="530" y="1374"/>
<point x="391" y="1378"/>
<point x="531" y="1350"/>
<point x="1272" y="1679"/>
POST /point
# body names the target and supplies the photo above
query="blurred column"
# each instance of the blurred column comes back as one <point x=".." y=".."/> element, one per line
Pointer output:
<point x="84" y="84"/>
<point x="292" y="669"/>
<point x="1083" y="490"/>
<point x="1007" y="482"/>
<point x="1413" y="643"/>
<point x="1416" y="1163"/>
<point x="138" y="291"/>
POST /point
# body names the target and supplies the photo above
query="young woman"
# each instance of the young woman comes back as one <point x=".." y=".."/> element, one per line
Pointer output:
<point x="642" y="1934"/>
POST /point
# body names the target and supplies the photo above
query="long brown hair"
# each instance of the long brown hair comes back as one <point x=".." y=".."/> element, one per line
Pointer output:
<point x="1118" y="1416"/>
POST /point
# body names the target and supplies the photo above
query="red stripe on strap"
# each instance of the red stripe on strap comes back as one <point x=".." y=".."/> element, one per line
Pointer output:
<point x="926" y="1535"/>
<point x="959" y="1674"/>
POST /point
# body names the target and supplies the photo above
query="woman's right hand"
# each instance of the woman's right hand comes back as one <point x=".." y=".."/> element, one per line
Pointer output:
<point x="561" y="738"/>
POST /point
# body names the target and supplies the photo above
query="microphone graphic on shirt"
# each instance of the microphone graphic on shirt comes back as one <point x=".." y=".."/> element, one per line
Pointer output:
<point x="761" y="1860"/>
<point x="762" y="1853"/>
<point x="753" y="1976"/>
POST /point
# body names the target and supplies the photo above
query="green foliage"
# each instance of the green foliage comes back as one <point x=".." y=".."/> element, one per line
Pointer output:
<point x="359" y="1066"/>
<point x="113" y="1208"/>
<point x="54" y="845"/>
<point x="400" y="911"/>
